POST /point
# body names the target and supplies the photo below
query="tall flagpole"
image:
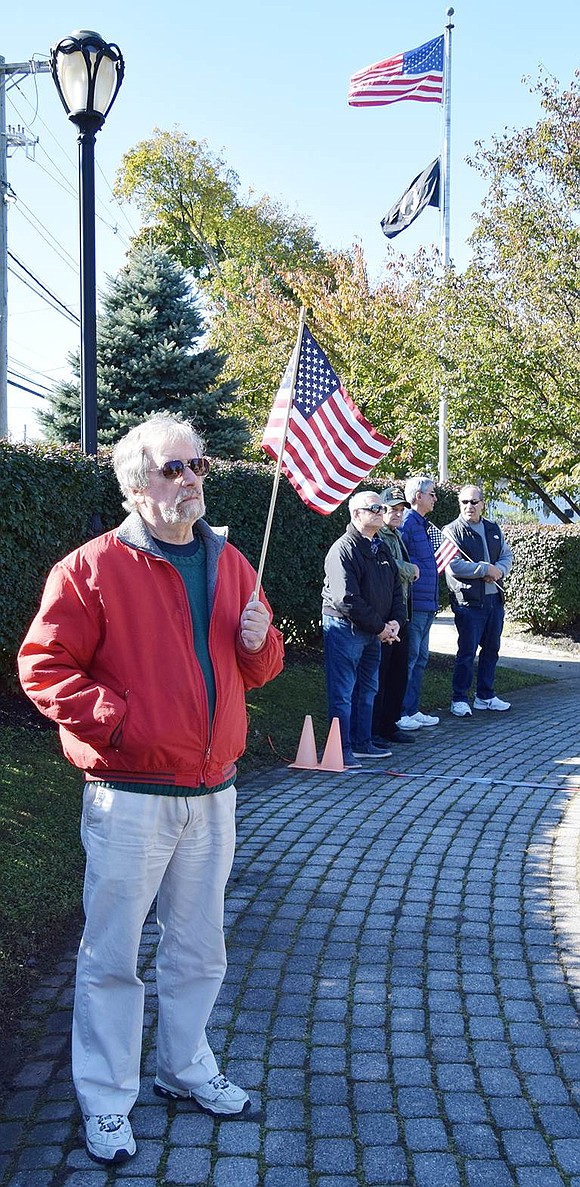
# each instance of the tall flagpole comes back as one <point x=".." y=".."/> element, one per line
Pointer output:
<point x="278" y="470"/>
<point x="445" y="221"/>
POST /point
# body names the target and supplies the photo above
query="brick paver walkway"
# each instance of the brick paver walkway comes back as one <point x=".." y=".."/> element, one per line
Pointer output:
<point x="402" y="999"/>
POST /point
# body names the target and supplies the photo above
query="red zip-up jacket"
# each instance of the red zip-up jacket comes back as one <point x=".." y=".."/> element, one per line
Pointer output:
<point x="110" y="657"/>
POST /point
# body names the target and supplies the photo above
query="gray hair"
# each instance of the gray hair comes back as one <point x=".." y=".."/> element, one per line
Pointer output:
<point x="472" y="486"/>
<point x="414" y="486"/>
<point x="356" y="501"/>
<point x="130" y="461"/>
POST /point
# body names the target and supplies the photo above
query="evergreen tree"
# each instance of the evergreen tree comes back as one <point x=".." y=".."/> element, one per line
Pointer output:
<point x="149" y="360"/>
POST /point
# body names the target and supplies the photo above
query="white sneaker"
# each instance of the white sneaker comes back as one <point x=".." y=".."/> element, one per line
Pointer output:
<point x="109" y="1137"/>
<point x="218" y="1096"/>
<point x="425" y="719"/>
<point x="408" y="723"/>
<point x="492" y="703"/>
<point x="460" y="709"/>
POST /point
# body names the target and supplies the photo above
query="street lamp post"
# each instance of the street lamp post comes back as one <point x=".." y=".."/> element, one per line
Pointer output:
<point x="87" y="73"/>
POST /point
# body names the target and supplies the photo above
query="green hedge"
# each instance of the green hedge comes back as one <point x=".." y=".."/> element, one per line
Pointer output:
<point x="543" y="588"/>
<point x="49" y="497"/>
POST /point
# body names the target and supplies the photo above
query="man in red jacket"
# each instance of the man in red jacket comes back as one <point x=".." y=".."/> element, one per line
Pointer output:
<point x="144" y="644"/>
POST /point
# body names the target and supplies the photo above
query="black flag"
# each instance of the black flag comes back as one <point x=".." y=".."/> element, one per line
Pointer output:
<point x="423" y="191"/>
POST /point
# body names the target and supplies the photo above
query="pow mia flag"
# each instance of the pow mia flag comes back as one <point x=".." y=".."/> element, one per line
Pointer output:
<point x="423" y="191"/>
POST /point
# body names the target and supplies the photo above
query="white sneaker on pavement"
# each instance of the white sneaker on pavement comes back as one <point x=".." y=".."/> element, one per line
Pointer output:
<point x="460" y="709"/>
<point x="425" y="719"/>
<point x="109" y="1137"/>
<point x="408" y="723"/>
<point x="218" y="1096"/>
<point x="492" y="703"/>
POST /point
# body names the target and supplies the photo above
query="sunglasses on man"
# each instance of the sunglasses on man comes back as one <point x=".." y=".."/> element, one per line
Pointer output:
<point x="200" y="466"/>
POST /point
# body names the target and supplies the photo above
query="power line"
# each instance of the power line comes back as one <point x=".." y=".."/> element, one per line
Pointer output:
<point x="68" y="186"/>
<point x="39" y="387"/>
<point x="32" y="219"/>
<point x="28" y="367"/>
<point x="41" y="285"/>
<point x="54" y="302"/>
<point x="22" y="388"/>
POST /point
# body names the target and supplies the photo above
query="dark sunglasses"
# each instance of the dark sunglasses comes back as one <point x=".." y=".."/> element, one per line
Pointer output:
<point x="374" y="508"/>
<point x="198" y="465"/>
<point x="472" y="502"/>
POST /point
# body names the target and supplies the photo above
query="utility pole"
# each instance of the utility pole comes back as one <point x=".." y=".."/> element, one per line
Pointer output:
<point x="15" y="139"/>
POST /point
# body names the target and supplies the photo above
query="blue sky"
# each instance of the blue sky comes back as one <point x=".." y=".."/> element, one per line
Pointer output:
<point x="265" y="84"/>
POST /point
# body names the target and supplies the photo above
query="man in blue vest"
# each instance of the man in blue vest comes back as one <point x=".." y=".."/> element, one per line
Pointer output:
<point x="475" y="580"/>
<point x="420" y="494"/>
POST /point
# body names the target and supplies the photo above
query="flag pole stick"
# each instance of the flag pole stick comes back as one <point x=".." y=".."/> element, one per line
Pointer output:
<point x="445" y="222"/>
<point x="446" y="162"/>
<point x="278" y="470"/>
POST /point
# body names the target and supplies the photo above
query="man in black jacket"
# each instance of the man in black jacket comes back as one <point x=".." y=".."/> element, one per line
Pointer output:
<point x="475" y="580"/>
<point x="362" y="607"/>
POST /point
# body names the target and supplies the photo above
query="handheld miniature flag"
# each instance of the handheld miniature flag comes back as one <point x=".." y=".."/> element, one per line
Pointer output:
<point x="329" y="446"/>
<point x="444" y="547"/>
<point x="416" y="74"/>
<point x="423" y="191"/>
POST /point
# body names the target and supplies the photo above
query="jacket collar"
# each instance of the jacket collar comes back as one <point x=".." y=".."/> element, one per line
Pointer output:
<point x="358" y="537"/>
<point x="134" y="532"/>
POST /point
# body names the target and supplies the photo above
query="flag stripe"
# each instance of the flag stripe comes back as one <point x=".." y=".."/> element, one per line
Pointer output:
<point x="444" y="555"/>
<point x="330" y="446"/>
<point x="322" y="467"/>
<point x="428" y="90"/>
<point x="416" y="74"/>
<point x="445" y="549"/>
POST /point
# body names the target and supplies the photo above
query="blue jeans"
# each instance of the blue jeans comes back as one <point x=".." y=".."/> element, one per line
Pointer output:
<point x="419" y="628"/>
<point x="351" y="664"/>
<point x="477" y="626"/>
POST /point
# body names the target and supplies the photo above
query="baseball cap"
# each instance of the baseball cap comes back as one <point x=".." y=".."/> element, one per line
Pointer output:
<point x="393" y="495"/>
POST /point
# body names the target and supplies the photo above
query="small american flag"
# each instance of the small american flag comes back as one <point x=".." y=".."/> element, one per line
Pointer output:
<point x="330" y="447"/>
<point x="416" y="74"/>
<point x="444" y="548"/>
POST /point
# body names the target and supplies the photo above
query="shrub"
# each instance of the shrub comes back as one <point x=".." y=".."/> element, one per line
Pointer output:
<point x="50" y="495"/>
<point x="543" y="588"/>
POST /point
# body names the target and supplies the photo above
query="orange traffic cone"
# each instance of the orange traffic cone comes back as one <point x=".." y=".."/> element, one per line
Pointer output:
<point x="306" y="757"/>
<point x="332" y="758"/>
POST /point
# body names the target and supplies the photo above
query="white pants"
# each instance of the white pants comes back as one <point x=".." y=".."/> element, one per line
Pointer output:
<point x="137" y="846"/>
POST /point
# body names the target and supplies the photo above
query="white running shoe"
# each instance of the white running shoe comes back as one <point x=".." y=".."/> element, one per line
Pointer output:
<point x="218" y="1096"/>
<point x="460" y="709"/>
<point x="408" y="723"/>
<point x="492" y="703"/>
<point x="109" y="1137"/>
<point x="425" y="719"/>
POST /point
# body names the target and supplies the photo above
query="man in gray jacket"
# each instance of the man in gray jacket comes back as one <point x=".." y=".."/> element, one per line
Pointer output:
<point x="475" y="581"/>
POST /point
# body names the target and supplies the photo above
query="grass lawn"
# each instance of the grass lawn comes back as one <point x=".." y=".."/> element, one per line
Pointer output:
<point x="41" y="859"/>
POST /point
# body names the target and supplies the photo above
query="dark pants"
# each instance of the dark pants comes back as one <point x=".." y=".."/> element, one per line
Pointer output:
<point x="393" y="672"/>
<point x="351" y="663"/>
<point x="477" y="626"/>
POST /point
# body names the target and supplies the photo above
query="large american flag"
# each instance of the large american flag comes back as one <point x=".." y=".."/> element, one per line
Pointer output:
<point x="330" y="447"/>
<point x="416" y="74"/>
<point x="444" y="547"/>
